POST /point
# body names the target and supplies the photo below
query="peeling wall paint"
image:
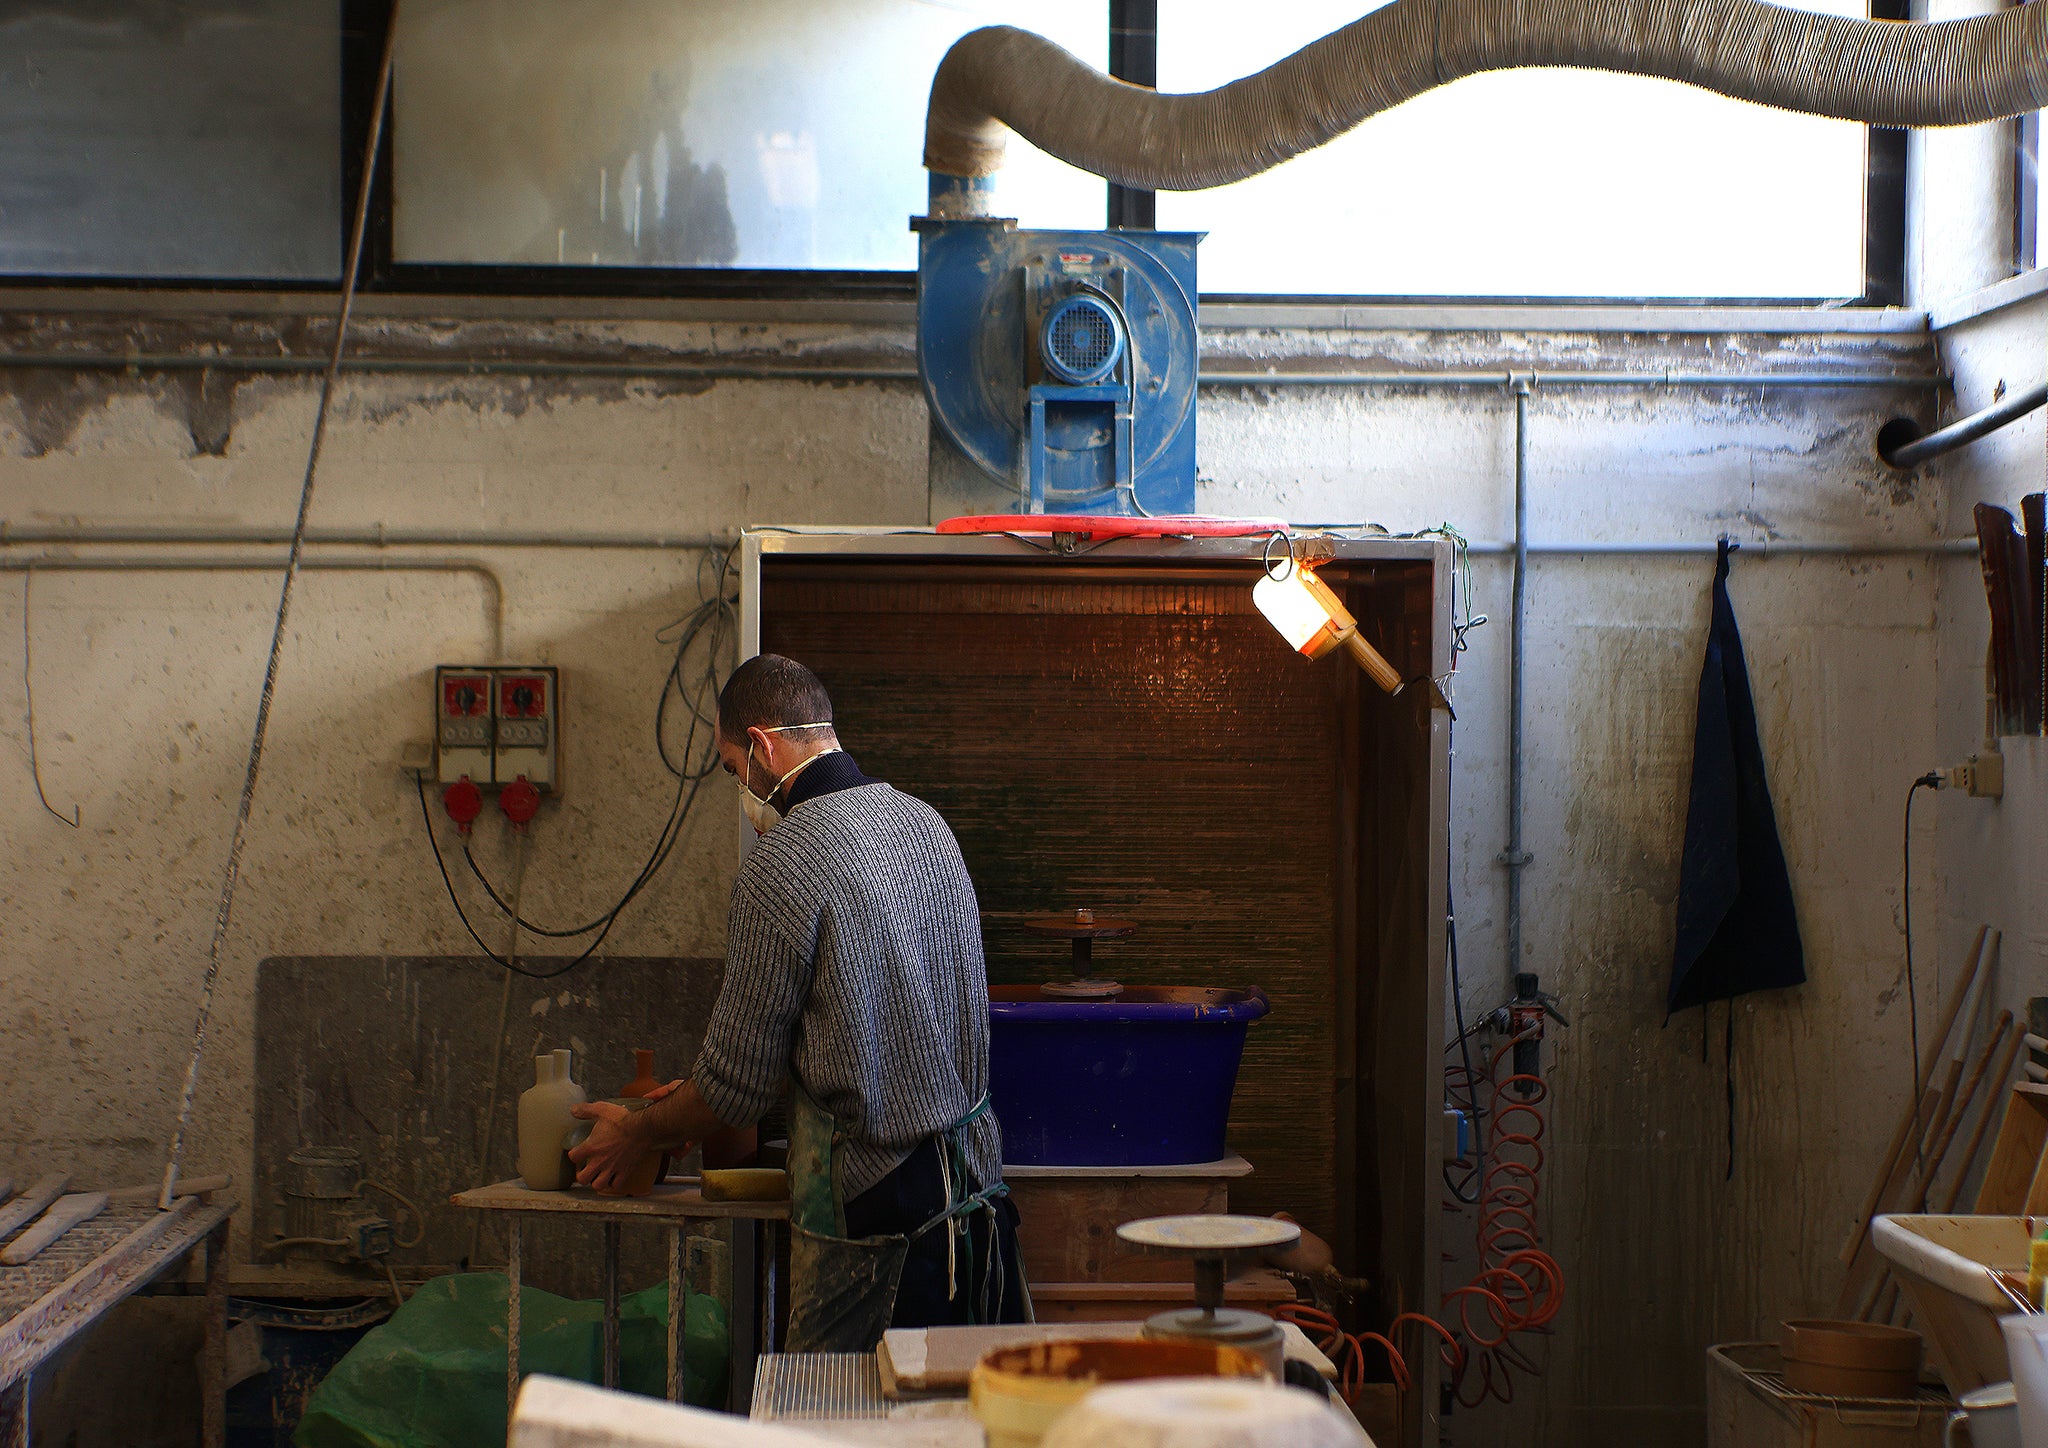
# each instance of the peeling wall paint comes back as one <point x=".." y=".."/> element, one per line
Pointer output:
<point x="145" y="689"/>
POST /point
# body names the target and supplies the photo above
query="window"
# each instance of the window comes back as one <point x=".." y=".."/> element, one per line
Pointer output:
<point x="199" y="140"/>
<point x="1537" y="183"/>
<point x="724" y="133"/>
<point x="706" y="146"/>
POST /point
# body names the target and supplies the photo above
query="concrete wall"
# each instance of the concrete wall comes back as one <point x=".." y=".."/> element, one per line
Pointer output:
<point x="145" y="687"/>
<point x="1984" y="857"/>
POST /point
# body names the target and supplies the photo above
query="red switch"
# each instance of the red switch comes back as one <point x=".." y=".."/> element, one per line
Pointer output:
<point x="520" y="801"/>
<point x="464" y="802"/>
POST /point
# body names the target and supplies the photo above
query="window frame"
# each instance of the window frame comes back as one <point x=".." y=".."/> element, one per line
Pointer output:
<point x="1133" y="56"/>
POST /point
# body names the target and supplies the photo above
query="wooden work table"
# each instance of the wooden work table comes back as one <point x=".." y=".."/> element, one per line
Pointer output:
<point x="670" y="1206"/>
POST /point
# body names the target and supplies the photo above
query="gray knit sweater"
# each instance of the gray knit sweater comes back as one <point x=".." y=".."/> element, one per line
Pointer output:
<point x="853" y="960"/>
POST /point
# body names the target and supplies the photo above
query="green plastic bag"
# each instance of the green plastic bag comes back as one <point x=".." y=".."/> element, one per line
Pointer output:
<point x="433" y="1376"/>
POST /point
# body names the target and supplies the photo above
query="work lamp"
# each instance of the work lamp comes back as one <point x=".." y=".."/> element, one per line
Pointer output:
<point x="1313" y="620"/>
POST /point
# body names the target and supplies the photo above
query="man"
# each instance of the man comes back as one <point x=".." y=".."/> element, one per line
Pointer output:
<point x="853" y="969"/>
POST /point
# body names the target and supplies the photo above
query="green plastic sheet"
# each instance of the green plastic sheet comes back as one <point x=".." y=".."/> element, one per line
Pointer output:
<point x="433" y="1375"/>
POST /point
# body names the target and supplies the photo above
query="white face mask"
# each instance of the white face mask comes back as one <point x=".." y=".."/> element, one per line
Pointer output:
<point x="761" y="810"/>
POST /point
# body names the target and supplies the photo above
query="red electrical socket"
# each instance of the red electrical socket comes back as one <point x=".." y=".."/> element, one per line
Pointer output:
<point x="464" y="802"/>
<point x="520" y="801"/>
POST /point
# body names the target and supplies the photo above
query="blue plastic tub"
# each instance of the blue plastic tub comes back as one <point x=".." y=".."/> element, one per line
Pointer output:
<point x="1142" y="1080"/>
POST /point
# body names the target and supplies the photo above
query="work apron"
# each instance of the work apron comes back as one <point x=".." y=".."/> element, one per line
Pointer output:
<point x="843" y="1289"/>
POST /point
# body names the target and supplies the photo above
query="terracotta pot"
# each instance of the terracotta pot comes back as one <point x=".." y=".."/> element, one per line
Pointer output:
<point x="643" y="1075"/>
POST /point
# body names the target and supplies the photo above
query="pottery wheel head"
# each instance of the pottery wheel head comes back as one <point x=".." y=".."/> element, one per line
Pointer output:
<point x="1209" y="1234"/>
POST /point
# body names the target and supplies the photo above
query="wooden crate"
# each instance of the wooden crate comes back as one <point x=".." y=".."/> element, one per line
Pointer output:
<point x="1135" y="1301"/>
<point x="2014" y="1182"/>
<point x="1067" y="1216"/>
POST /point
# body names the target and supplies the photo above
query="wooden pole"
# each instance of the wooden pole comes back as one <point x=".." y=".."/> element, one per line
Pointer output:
<point x="1962" y="1108"/>
<point x="1945" y="1022"/>
<point x="1999" y="1081"/>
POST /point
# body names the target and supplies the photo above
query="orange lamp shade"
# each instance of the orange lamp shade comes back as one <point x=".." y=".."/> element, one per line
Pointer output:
<point x="1305" y="610"/>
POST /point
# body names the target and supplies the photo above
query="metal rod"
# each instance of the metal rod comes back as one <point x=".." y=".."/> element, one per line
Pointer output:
<point x="1781" y="548"/>
<point x="515" y="1267"/>
<point x="1966" y="430"/>
<point x="653" y="367"/>
<point x="378" y="536"/>
<point x="611" y="1305"/>
<point x="738" y="371"/>
<point x="47" y="563"/>
<point x="238" y="835"/>
<point x="678" y="1300"/>
<point x="1574" y="379"/>
<point x="1514" y="857"/>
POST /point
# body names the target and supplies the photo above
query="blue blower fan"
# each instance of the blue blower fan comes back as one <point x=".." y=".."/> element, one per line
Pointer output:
<point x="1060" y="368"/>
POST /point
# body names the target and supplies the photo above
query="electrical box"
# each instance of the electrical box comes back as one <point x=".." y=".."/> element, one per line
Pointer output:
<point x="495" y="725"/>
<point x="526" y="726"/>
<point x="463" y="733"/>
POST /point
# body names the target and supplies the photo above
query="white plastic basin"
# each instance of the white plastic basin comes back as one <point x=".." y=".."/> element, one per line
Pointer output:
<point x="1944" y="1265"/>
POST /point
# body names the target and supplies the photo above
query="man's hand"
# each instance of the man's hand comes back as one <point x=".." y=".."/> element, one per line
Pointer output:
<point x="613" y="1150"/>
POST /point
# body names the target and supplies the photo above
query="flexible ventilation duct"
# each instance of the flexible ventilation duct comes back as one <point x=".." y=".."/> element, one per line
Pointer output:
<point x="1878" y="72"/>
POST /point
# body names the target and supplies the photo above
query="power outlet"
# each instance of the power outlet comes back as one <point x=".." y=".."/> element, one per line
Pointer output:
<point x="464" y="731"/>
<point x="1982" y="775"/>
<point x="496" y="725"/>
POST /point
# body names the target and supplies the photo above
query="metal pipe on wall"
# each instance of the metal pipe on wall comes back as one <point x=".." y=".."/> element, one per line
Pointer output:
<point x="376" y="536"/>
<point x="1514" y="857"/>
<point x="656" y="368"/>
<point x="1919" y="449"/>
<point x="217" y="564"/>
<point x="1763" y="548"/>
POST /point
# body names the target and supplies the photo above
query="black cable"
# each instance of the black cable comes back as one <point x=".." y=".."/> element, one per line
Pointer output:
<point x="717" y="613"/>
<point x="1929" y="780"/>
<point x="419" y="780"/>
<point x="1477" y="1179"/>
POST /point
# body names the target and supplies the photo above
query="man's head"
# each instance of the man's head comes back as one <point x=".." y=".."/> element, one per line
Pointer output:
<point x="775" y="709"/>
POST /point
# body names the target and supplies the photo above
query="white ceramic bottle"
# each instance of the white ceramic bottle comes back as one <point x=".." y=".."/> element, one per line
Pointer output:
<point x="545" y="1124"/>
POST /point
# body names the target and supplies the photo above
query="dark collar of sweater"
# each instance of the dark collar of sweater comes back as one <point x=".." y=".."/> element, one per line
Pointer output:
<point x="830" y="774"/>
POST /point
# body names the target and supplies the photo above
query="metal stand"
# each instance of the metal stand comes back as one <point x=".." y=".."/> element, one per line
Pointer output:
<point x="1215" y="1241"/>
<point x="1083" y="928"/>
<point x="669" y="1207"/>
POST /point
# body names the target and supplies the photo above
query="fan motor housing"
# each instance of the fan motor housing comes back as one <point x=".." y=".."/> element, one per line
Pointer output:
<point x="1059" y="367"/>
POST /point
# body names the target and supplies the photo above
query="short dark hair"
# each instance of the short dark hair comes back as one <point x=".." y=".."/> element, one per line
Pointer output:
<point x="769" y="691"/>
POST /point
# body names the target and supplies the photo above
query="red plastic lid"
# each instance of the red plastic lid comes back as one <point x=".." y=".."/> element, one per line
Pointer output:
<point x="1114" y="525"/>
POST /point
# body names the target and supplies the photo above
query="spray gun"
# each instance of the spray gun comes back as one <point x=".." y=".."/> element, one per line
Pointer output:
<point x="1521" y="1021"/>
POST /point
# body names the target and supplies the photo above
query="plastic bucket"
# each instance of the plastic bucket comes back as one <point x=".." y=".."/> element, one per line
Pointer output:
<point x="1141" y="1080"/>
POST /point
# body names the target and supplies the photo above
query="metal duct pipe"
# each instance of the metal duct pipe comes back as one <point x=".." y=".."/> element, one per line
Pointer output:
<point x="1901" y="443"/>
<point x="1878" y="72"/>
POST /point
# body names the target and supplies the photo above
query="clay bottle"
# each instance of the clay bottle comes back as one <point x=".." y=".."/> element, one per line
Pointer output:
<point x="643" y="1075"/>
<point x="545" y="1123"/>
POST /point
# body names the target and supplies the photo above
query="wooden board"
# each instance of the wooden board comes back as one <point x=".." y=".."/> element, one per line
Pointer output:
<point x="1117" y="1301"/>
<point x="1228" y="1168"/>
<point x="64" y="1214"/>
<point x="2013" y="1178"/>
<point x="939" y="1359"/>
<point x="664" y="1202"/>
<point x="29" y="1205"/>
<point x="1066" y="1228"/>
